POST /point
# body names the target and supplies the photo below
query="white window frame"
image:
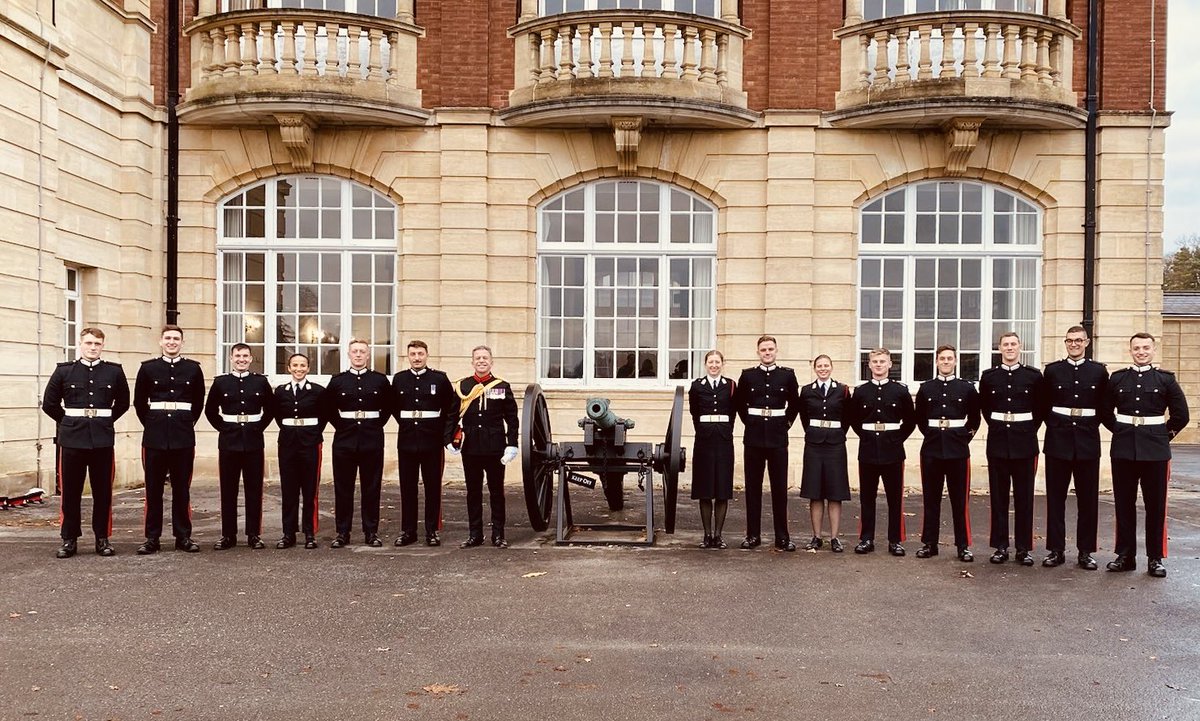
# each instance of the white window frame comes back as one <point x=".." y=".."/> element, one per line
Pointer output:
<point x="988" y="251"/>
<point x="664" y="250"/>
<point x="269" y="245"/>
<point x="912" y="7"/>
<point x="72" y="312"/>
<point x="351" y="6"/>
<point x="570" y="6"/>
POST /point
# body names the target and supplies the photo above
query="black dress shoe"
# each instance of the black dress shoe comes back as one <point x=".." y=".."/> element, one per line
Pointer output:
<point x="406" y="539"/>
<point x="1156" y="568"/>
<point x="813" y="543"/>
<point x="1025" y="558"/>
<point x="472" y="542"/>
<point x="719" y="543"/>
<point x="1054" y="558"/>
<point x="896" y="549"/>
<point x="286" y="542"/>
<point x="310" y="542"/>
<point x="865" y="546"/>
<point x="1000" y="556"/>
<point x="187" y="545"/>
<point x="372" y="540"/>
<point x="69" y="548"/>
<point x="499" y="542"/>
<point x="835" y="545"/>
<point x="751" y="542"/>
<point x="433" y="540"/>
<point x="965" y="555"/>
<point x="928" y="550"/>
<point x="255" y="543"/>
<point x="104" y="548"/>
<point x="1122" y="563"/>
<point x="226" y="543"/>
<point x="1086" y="562"/>
<point x="149" y="546"/>
<point x="707" y="542"/>
<point x="340" y="541"/>
<point x="785" y="544"/>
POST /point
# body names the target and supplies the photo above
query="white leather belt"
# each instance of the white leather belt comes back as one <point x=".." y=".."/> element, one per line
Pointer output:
<point x="1012" y="417"/>
<point x="714" y="419"/>
<point x="299" y="421"/>
<point x="356" y="415"/>
<point x="418" y="414"/>
<point x="88" y="412"/>
<point x="824" y="424"/>
<point x="767" y="412"/>
<point x="1141" y="420"/>
<point x="947" y="422"/>
<point x="241" y="417"/>
<point x="881" y="427"/>
<point x="1074" y="412"/>
<point x="170" y="406"/>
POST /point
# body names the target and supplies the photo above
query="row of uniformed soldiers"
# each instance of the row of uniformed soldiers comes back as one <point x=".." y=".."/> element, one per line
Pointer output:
<point x="475" y="417"/>
<point x="1143" y="407"/>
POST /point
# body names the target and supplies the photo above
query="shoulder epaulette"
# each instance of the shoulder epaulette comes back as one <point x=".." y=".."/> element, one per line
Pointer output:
<point x="64" y="364"/>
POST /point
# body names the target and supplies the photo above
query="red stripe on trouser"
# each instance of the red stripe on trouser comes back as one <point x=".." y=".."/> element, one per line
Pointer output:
<point x="59" y="485"/>
<point x="145" y="491"/>
<point x="921" y="475"/>
<point x="967" y="502"/>
<point x="903" y="532"/>
<point x="262" y="494"/>
<point x="317" y="488"/>
<point x="112" y="481"/>
<point x="443" y="476"/>
<point x="1166" y="485"/>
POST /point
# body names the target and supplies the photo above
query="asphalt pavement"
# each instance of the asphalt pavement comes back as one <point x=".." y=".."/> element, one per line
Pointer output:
<point x="586" y="632"/>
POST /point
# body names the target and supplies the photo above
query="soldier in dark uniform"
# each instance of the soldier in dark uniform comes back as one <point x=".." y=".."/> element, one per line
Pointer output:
<point x="1144" y="407"/>
<point x="710" y="400"/>
<point x="1009" y="397"/>
<point x="824" y="413"/>
<point x="882" y="416"/>
<point x="487" y="443"/>
<point x="426" y="413"/>
<point x="1075" y="388"/>
<point x="947" y="411"/>
<point x="768" y="401"/>
<point x="168" y="397"/>
<point x="240" y="407"/>
<point x="85" y="397"/>
<point x="357" y="403"/>
<point x="301" y="429"/>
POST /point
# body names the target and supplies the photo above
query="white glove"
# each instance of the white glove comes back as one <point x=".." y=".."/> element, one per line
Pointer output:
<point x="510" y="455"/>
<point x="452" y="450"/>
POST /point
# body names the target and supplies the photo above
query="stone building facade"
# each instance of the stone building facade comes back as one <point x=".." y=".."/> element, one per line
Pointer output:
<point x="601" y="195"/>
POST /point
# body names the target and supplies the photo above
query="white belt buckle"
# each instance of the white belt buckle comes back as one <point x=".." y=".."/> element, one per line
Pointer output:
<point x="943" y="423"/>
<point x="242" y="418"/>
<point x="1008" y="418"/>
<point x="1137" y="421"/>
<point x="880" y="427"/>
<point x="360" y="414"/>
<point x="89" y="412"/>
<point x="1076" y="412"/>
<point x="766" y="413"/>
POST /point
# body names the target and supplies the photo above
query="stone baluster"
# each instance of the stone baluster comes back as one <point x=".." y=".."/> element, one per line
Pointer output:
<point x="881" y="57"/>
<point x="566" y="54"/>
<point x="333" y="66"/>
<point x="288" y="61"/>
<point x="708" y="52"/>
<point x="1029" y="53"/>
<point x="535" y="58"/>
<point x="1056" y="59"/>
<point x="649" y="58"/>
<point x="723" y="60"/>
<point x="547" y="57"/>
<point x="627" y="70"/>
<point x="354" y="39"/>
<point x="585" y="51"/>
<point x="233" y="55"/>
<point x="306" y="59"/>
<point x="924" y="59"/>
<point x="1012" y="68"/>
<point x="670" y="62"/>
<point x="991" y="51"/>
<point x="249" y="47"/>
<point x="949" y="56"/>
<point x="970" y="57"/>
<point x="206" y="55"/>
<point x="376" y="55"/>
<point x="864" y="62"/>
<point x="267" y="29"/>
<point x="690" y="37"/>
<point x="606" y="43"/>
<point x="1043" y="57"/>
<point x="903" y="69"/>
<point x="393" y="77"/>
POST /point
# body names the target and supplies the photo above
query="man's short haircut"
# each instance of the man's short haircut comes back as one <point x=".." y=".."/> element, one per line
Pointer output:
<point x="878" y="352"/>
<point x="170" y="327"/>
<point x="94" y="332"/>
<point x="240" y="346"/>
<point x="1008" y="334"/>
<point x="1143" y="335"/>
<point x="945" y="346"/>
<point x="419" y="344"/>
<point x="481" y="347"/>
<point x="1077" y="329"/>
<point x="357" y="341"/>
<point x="764" y="338"/>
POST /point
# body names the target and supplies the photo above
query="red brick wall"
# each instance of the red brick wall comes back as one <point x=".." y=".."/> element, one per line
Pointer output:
<point x="1125" y="55"/>
<point x="466" y="57"/>
<point x="158" y="49"/>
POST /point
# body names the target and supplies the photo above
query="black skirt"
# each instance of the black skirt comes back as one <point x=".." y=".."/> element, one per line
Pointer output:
<point x="711" y="464"/>
<point x="825" y="476"/>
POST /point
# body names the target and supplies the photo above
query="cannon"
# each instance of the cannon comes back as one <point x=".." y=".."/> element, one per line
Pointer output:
<point x="603" y="454"/>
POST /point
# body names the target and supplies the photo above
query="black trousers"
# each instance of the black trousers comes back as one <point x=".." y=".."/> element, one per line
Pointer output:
<point x="1017" y="474"/>
<point x="74" y="464"/>
<point x="1086" y="473"/>
<point x="426" y="466"/>
<point x="367" y="466"/>
<point x="953" y="475"/>
<point x="1152" y="476"/>
<point x="299" y="476"/>
<point x="869" y="476"/>
<point x="160" y="465"/>
<point x="774" y="461"/>
<point x="235" y="468"/>
<point x="474" y="469"/>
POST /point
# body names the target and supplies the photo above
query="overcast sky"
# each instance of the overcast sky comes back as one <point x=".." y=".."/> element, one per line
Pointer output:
<point x="1183" y="137"/>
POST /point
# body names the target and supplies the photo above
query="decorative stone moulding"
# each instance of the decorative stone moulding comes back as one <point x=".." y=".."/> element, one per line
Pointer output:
<point x="962" y="135"/>
<point x="627" y="134"/>
<point x="296" y="132"/>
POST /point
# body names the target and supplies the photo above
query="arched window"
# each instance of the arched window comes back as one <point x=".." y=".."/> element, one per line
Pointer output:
<point x="306" y="263"/>
<point x="709" y="8"/>
<point x="626" y="284"/>
<point x="947" y="262"/>
<point x="378" y="8"/>
<point x="875" y="9"/>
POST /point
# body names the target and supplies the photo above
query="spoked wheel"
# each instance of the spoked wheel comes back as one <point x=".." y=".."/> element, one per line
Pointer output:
<point x="672" y="460"/>
<point x="538" y="461"/>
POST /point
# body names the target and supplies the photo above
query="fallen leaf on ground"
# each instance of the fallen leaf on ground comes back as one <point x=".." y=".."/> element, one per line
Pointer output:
<point x="383" y="649"/>
<point x="965" y="574"/>
<point x="534" y="574"/>
<point x="441" y="688"/>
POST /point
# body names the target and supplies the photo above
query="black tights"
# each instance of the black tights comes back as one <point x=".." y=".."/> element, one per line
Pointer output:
<point x="712" y="515"/>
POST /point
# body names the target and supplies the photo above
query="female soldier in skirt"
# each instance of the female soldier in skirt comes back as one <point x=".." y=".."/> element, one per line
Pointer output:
<point x="824" y="404"/>
<point x="711" y="402"/>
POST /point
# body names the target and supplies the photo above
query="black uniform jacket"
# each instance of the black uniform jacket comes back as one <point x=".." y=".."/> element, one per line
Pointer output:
<point x="247" y="394"/>
<point x="431" y="391"/>
<point x="160" y="380"/>
<point x="1076" y="386"/>
<point x="490" y="422"/>
<point x="941" y="399"/>
<point x="874" y="403"/>
<point x="817" y="406"/>
<point x="306" y="403"/>
<point x="1012" y="390"/>
<point x="351" y="392"/>
<point x="1145" y="392"/>
<point x="704" y="400"/>
<point x="775" y="388"/>
<point x="80" y="384"/>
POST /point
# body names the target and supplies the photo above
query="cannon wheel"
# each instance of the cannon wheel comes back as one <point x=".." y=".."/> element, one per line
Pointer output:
<point x="538" y="467"/>
<point x="675" y="461"/>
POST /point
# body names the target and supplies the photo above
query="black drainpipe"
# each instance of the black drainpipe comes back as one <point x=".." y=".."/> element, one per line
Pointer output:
<point x="1089" y="173"/>
<point x="173" y="31"/>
